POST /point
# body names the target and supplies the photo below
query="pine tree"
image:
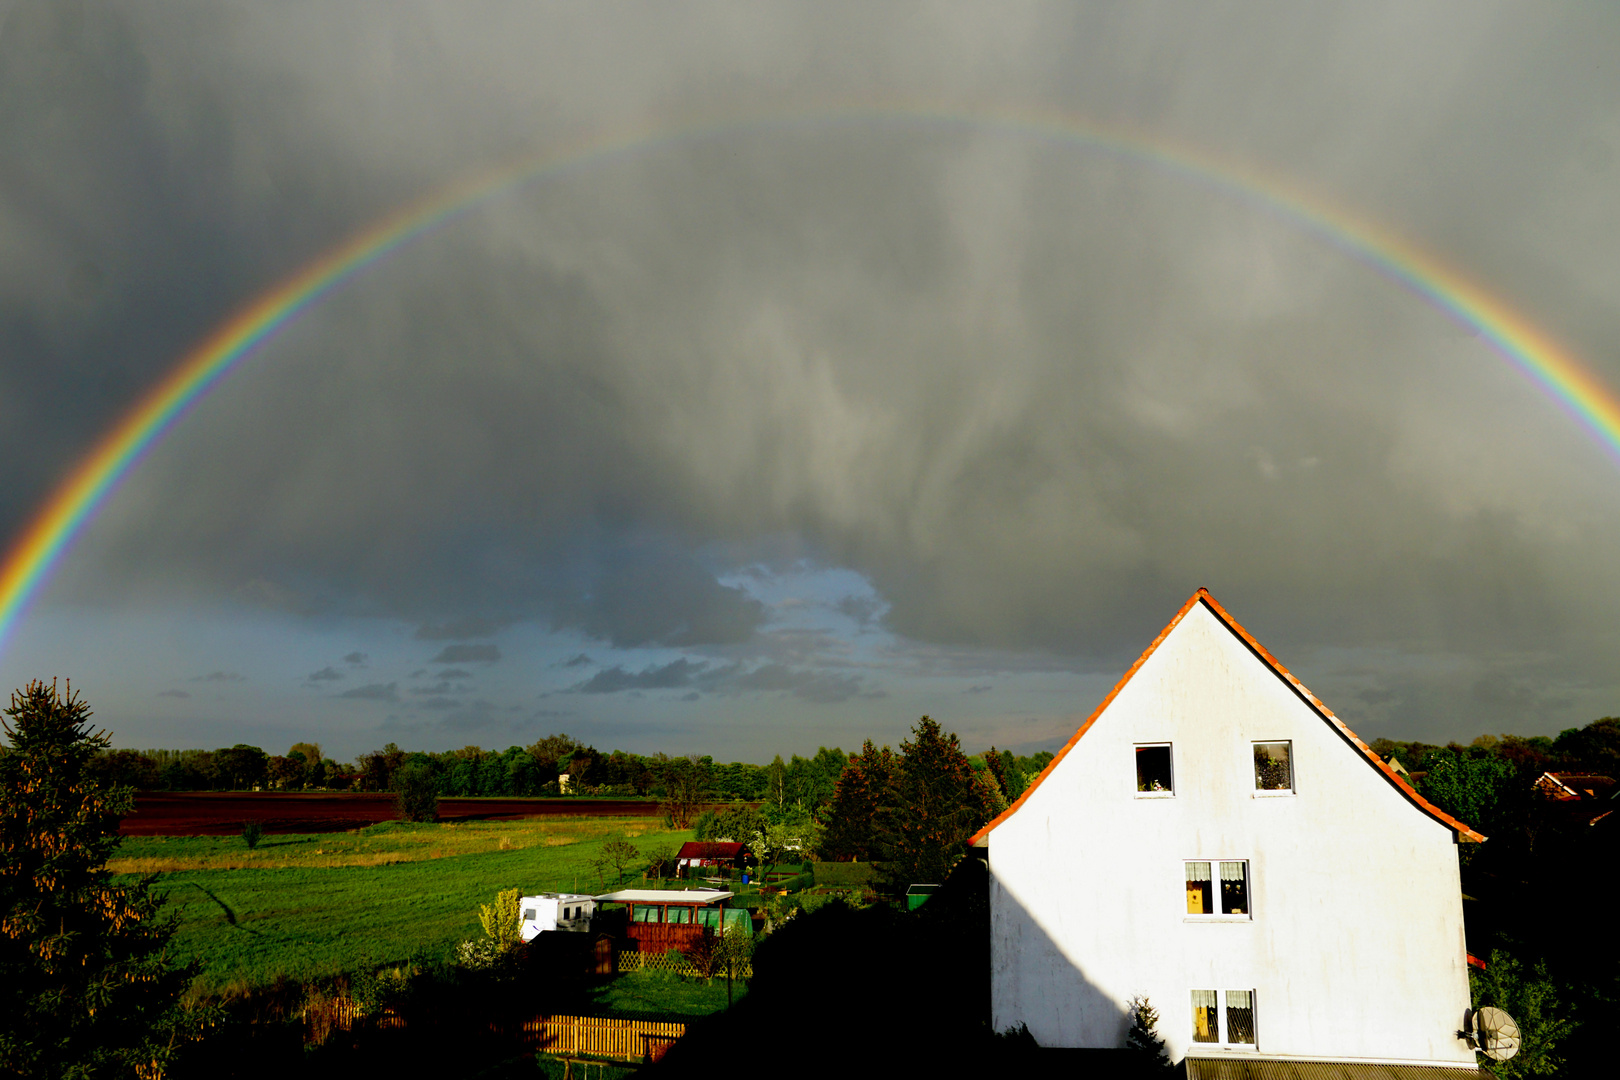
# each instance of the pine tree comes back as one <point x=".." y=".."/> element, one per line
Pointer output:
<point x="86" y="986"/>
<point x="1144" y="1038"/>
<point x="936" y="806"/>
<point x="851" y="818"/>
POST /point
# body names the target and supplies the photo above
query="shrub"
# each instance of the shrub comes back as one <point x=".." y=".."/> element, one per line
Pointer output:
<point x="502" y="921"/>
<point x="416" y="793"/>
<point x="252" y="833"/>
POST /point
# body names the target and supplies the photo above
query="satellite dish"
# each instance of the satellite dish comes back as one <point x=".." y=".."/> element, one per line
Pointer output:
<point x="1493" y="1033"/>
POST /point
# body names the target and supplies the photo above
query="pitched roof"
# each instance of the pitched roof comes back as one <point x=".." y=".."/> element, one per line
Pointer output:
<point x="709" y="849"/>
<point x="1202" y="596"/>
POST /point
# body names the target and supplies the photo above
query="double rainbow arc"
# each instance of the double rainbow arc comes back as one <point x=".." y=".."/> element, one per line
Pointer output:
<point x="49" y="535"/>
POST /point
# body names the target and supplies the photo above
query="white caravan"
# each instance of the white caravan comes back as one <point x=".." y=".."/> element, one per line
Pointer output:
<point x="555" y="911"/>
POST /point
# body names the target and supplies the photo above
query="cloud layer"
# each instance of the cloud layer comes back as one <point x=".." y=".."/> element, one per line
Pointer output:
<point x="1034" y="394"/>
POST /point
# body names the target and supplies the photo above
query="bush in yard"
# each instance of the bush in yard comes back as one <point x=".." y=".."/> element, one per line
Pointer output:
<point x="252" y="833"/>
<point x="416" y="793"/>
<point x="86" y="985"/>
<point x="502" y="921"/>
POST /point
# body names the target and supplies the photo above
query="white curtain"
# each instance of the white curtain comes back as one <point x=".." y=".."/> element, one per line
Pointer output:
<point x="1230" y="871"/>
<point x="1198" y="871"/>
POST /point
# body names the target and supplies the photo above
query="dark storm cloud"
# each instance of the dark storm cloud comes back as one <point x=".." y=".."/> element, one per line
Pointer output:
<point x="326" y="674"/>
<point x="355" y="659"/>
<point x="467" y="654"/>
<point x="460" y="629"/>
<point x="671" y="676"/>
<point x="819" y="687"/>
<point x="577" y="661"/>
<point x="1034" y="395"/>
<point x="373" y="692"/>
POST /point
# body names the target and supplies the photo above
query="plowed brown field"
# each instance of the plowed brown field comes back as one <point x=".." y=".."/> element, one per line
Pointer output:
<point x="221" y="813"/>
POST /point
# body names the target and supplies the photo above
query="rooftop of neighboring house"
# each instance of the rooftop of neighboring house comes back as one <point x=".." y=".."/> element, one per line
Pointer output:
<point x="710" y="849"/>
<point x="698" y="897"/>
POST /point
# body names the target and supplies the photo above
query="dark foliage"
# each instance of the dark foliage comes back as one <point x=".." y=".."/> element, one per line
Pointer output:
<point x="86" y="988"/>
<point x="934" y="807"/>
<point x="415" y="793"/>
<point x="852" y="818"/>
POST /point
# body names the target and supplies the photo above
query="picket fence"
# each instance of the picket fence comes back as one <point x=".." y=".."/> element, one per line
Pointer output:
<point x="601" y="1036"/>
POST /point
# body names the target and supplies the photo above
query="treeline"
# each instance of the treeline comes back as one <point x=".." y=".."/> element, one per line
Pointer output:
<point x="802" y="783"/>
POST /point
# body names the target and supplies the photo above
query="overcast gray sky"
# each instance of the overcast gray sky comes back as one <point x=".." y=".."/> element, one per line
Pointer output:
<point x="786" y="434"/>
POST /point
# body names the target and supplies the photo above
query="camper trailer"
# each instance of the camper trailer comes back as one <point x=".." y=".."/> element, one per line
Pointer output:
<point x="555" y="911"/>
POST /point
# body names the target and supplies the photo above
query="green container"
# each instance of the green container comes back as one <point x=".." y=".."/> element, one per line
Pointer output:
<point x="917" y="895"/>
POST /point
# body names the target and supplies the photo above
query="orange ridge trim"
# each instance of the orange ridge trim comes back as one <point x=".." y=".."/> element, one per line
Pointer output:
<point x="1460" y="830"/>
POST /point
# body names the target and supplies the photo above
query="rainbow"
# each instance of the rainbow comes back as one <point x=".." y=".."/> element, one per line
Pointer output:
<point x="49" y="535"/>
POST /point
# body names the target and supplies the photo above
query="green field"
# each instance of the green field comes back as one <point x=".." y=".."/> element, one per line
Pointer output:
<point x="306" y="907"/>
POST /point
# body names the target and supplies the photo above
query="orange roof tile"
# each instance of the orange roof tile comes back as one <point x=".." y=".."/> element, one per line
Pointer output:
<point x="1461" y="831"/>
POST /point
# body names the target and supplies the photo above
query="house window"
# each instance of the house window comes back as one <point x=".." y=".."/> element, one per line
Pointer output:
<point x="1231" y="1025"/>
<point x="528" y="914"/>
<point x="1153" y="774"/>
<point x="1273" y="766"/>
<point x="1229" y="897"/>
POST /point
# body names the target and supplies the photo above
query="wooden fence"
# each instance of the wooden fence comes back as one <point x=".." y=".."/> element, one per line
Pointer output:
<point x="678" y="964"/>
<point x="561" y="1036"/>
<point x="601" y="1036"/>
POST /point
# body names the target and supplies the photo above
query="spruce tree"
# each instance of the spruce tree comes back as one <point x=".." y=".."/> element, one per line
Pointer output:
<point x="936" y="806"/>
<point x="1143" y="1040"/>
<point x="86" y="986"/>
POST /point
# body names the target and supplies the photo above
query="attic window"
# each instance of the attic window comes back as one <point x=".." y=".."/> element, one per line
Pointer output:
<point x="1274" y="767"/>
<point x="1153" y="773"/>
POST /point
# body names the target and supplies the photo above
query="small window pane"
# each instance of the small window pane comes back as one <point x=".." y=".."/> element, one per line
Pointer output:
<point x="1153" y="769"/>
<point x="1205" y="1027"/>
<point x="1240" y="1017"/>
<point x="1273" y="766"/>
<point x="528" y="914"/>
<point x="1234" y="888"/>
<point x="1200" y="895"/>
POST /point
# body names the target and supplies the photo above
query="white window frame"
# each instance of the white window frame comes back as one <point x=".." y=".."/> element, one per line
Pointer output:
<point x="1293" y="773"/>
<point x="1215" y="889"/>
<point x="1135" y="747"/>
<point x="1223" y="1032"/>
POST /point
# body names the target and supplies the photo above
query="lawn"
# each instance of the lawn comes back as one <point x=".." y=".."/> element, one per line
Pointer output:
<point x="304" y="907"/>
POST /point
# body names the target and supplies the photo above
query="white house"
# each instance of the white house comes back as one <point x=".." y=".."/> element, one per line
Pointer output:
<point x="1215" y="839"/>
<point x="555" y="911"/>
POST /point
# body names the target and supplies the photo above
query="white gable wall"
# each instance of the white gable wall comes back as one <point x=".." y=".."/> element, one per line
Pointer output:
<point x="1355" y="946"/>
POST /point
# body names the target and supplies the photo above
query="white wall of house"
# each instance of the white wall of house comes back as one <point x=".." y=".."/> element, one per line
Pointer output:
<point x="1354" y="948"/>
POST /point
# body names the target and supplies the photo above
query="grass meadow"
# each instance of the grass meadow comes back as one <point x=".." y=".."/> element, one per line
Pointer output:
<point x="306" y="907"/>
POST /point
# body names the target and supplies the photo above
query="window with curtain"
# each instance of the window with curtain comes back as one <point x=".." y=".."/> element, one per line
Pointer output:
<point x="1206" y="1022"/>
<point x="1203" y="896"/>
<point x="1200" y="893"/>
<point x="1234" y="888"/>
<point x="1274" y="766"/>
<point x="1231" y="1025"/>
<point x="1240" y="1017"/>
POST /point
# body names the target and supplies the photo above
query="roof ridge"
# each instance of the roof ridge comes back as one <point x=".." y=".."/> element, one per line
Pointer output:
<point x="1460" y="830"/>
